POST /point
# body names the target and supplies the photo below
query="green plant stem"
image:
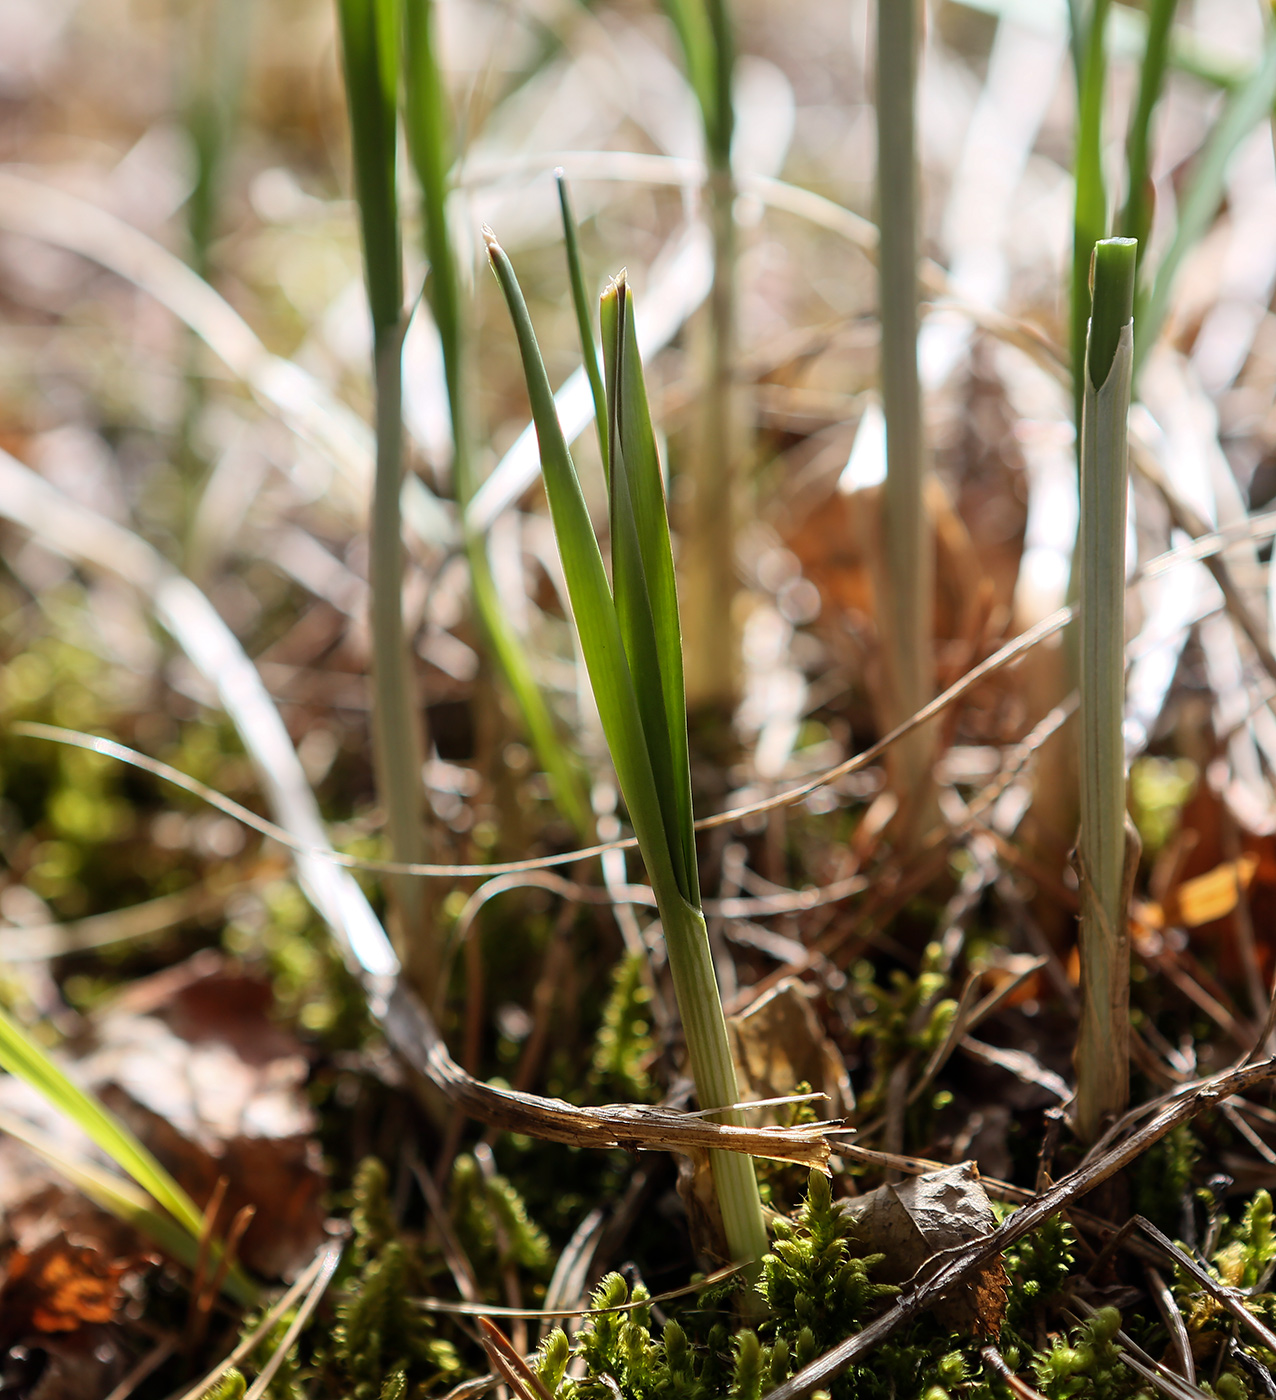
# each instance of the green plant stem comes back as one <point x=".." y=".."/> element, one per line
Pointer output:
<point x="712" y="472"/>
<point x="1089" y="217"/>
<point x="639" y="623"/>
<point x="1136" y="218"/>
<point x="906" y="619"/>
<point x="713" y="1069"/>
<point x="1102" y="1056"/>
<point x="369" y="41"/>
<point x="396" y="716"/>
<point x="428" y="128"/>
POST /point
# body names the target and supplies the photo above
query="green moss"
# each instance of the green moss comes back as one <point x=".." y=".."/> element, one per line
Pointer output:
<point x="623" y="1048"/>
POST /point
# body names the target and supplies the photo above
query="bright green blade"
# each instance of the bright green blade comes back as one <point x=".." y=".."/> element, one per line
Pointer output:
<point x="581" y="303"/>
<point x="593" y="608"/>
<point x="430" y="142"/>
<point x="22" y="1057"/>
<point x="125" y="1201"/>
<point x="644" y="564"/>
<point x="1250" y="104"/>
<point x="1136" y="218"/>
<point x="1090" y="211"/>
<point x="369" y="45"/>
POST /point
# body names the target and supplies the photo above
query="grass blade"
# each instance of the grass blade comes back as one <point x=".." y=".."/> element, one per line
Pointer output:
<point x="1136" y="217"/>
<point x="370" y="48"/>
<point x="1103" y="1040"/>
<point x="20" y="1055"/>
<point x="1251" y="103"/>
<point x="428" y="128"/>
<point x="581" y="304"/>
<point x="1090" y="208"/>
<point x="631" y="633"/>
<point x="593" y="607"/>
<point x="645" y="586"/>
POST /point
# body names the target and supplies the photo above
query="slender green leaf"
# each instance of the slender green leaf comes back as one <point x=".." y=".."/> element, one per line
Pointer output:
<point x="369" y="45"/>
<point x="1090" y="210"/>
<point x="618" y="637"/>
<point x="1248" y="105"/>
<point x="593" y="607"/>
<point x="581" y="303"/>
<point x="126" y="1202"/>
<point x="22" y="1057"/>
<point x="1136" y="218"/>
<point x="640" y="522"/>
<point x="430" y="142"/>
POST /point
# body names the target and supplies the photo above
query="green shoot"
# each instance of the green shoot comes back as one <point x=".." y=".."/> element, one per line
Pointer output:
<point x="1102" y="1056"/>
<point x="632" y="649"/>
<point x="1090" y="212"/>
<point x="708" y="538"/>
<point x="428" y="128"/>
<point x="22" y="1057"/>
<point x="369" y="40"/>
<point x="1248" y="105"/>
<point x="905" y="620"/>
<point x="1136" y="218"/>
<point x="580" y="303"/>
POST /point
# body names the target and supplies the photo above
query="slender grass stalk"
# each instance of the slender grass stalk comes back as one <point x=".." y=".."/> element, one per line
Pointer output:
<point x="1246" y="106"/>
<point x="709" y="550"/>
<point x="630" y="637"/>
<point x="216" y="64"/>
<point x="1102" y="1057"/>
<point x="370" y="46"/>
<point x="429" y="141"/>
<point x="1136" y="217"/>
<point x="905" y="620"/>
<point x="580" y="302"/>
<point x="1090" y="206"/>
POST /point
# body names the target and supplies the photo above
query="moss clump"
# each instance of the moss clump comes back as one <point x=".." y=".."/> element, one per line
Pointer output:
<point x="1087" y="1365"/>
<point x="623" y="1048"/>
<point x="493" y="1223"/>
<point x="817" y="1289"/>
<point x="383" y="1347"/>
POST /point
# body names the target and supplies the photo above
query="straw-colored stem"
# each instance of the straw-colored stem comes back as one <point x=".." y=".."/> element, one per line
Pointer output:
<point x="1102" y="1057"/>
<point x="905" y="616"/>
<point x="396" y="717"/>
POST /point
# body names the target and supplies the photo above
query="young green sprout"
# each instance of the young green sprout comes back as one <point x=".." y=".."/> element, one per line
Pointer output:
<point x="1102" y="1057"/>
<point x="631" y="641"/>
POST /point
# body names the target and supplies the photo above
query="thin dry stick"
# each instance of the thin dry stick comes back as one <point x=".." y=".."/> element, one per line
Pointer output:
<point x="953" y="1273"/>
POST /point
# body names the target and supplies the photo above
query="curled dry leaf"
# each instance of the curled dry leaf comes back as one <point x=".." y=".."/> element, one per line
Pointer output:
<point x="919" y="1219"/>
<point x="778" y="1045"/>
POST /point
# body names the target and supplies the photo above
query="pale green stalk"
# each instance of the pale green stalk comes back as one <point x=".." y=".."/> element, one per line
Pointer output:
<point x="429" y="141"/>
<point x="1102" y="1056"/>
<point x="369" y="34"/>
<point x="580" y="304"/>
<point x="906" y="623"/>
<point x="632" y="648"/>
